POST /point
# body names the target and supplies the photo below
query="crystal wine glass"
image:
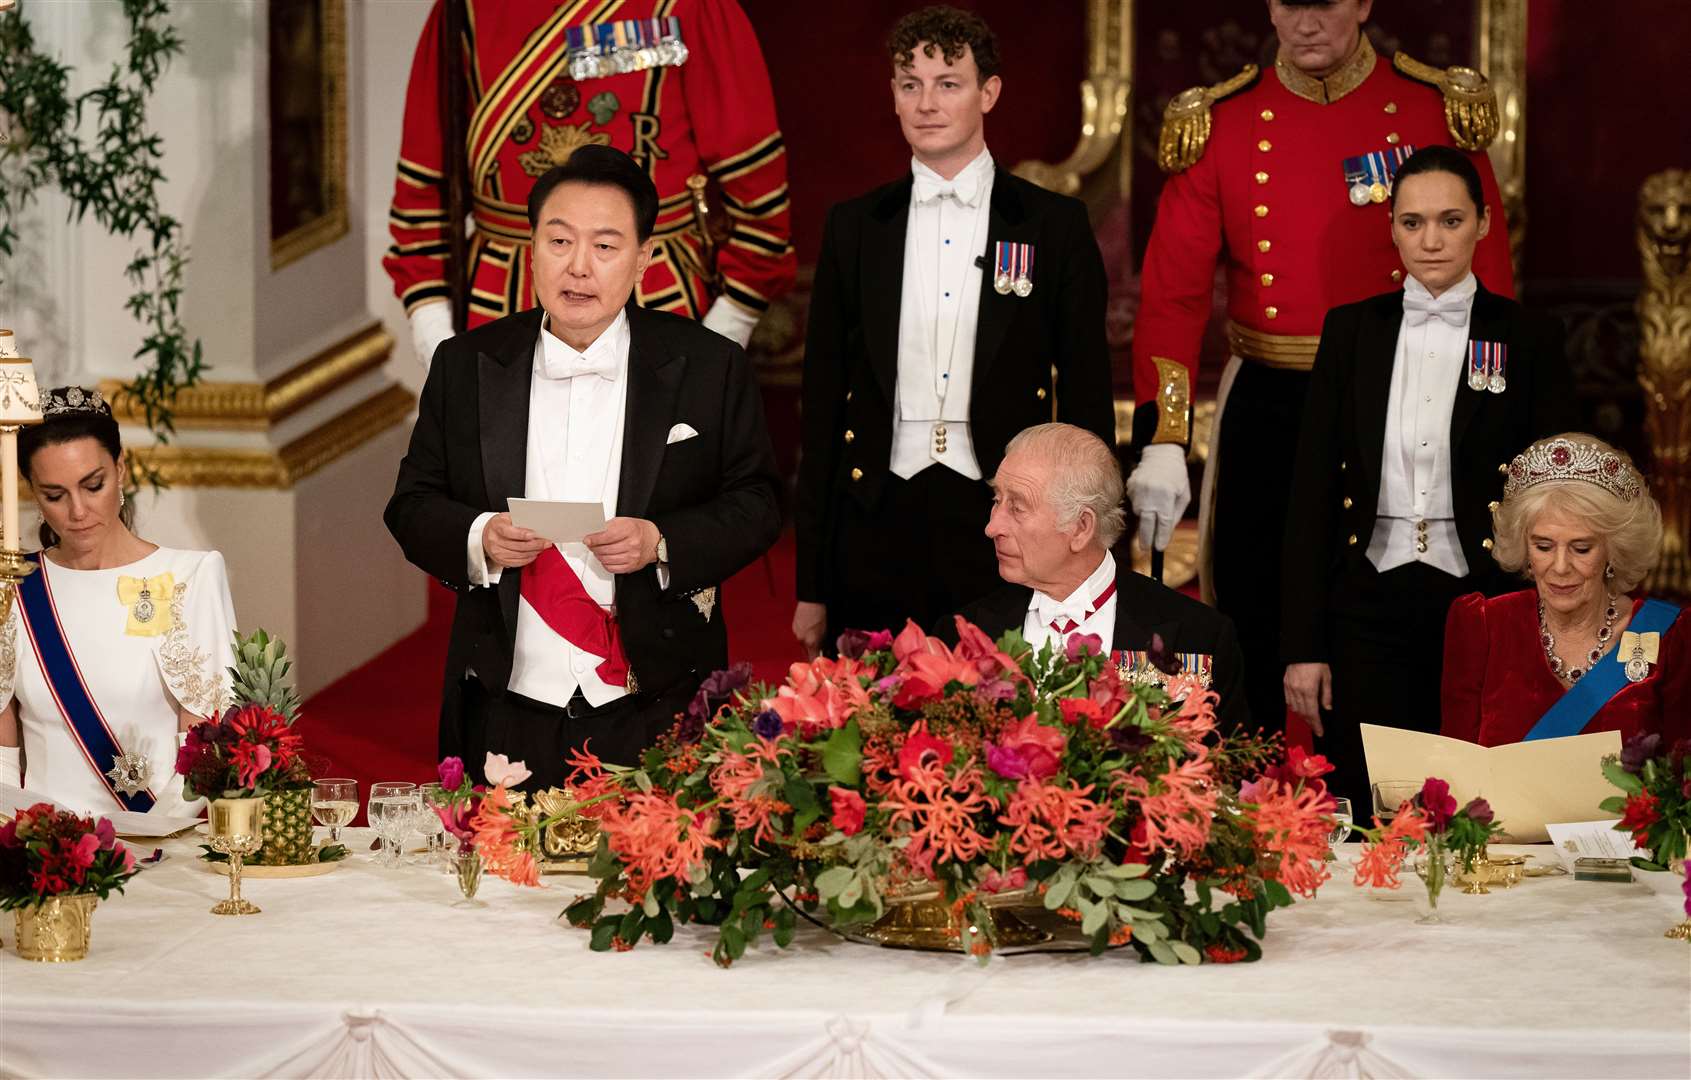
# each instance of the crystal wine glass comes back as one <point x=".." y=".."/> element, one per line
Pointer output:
<point x="390" y="815"/>
<point x="1342" y="818"/>
<point x="429" y="824"/>
<point x="334" y="803"/>
<point x="1391" y="794"/>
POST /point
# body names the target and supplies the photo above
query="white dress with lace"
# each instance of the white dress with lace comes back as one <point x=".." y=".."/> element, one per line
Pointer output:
<point x="140" y="671"/>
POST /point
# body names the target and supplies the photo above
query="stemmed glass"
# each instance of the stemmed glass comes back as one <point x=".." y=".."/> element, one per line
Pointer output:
<point x="391" y="807"/>
<point x="1342" y="818"/>
<point x="429" y="824"/>
<point x="334" y="803"/>
<point x="1391" y="794"/>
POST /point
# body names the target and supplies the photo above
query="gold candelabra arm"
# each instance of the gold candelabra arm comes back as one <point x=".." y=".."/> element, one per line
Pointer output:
<point x="13" y="569"/>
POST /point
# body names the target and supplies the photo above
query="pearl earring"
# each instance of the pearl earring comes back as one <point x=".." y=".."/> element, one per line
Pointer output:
<point x="1609" y="572"/>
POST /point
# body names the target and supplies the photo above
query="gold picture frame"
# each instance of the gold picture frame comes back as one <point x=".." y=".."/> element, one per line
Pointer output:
<point x="307" y="116"/>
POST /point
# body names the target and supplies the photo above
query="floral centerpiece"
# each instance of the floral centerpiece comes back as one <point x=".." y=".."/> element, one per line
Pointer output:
<point x="54" y="866"/>
<point x="1655" y="804"/>
<point x="1431" y="821"/>
<point x="972" y="772"/>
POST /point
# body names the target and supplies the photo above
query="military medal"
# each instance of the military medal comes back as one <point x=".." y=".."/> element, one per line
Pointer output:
<point x="1012" y="268"/>
<point x="1024" y="277"/>
<point x="1378" y="192"/>
<point x="1476" y="367"/>
<point x="1487" y="363"/>
<point x="1496" y="383"/>
<point x="1001" y="282"/>
<point x="1368" y="177"/>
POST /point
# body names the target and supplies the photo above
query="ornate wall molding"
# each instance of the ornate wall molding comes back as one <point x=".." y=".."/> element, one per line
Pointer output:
<point x="198" y="466"/>
<point x="1500" y="37"/>
<point x="242" y="406"/>
<point x="332" y="224"/>
<point x="1103" y="102"/>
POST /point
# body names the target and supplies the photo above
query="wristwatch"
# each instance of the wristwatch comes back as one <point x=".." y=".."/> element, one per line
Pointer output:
<point x="663" y="550"/>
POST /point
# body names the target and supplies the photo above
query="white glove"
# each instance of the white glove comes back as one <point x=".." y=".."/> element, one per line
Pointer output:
<point x="431" y="324"/>
<point x="731" y="321"/>
<point x="1160" y="491"/>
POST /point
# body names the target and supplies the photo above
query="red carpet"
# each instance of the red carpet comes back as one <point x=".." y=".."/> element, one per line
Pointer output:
<point x="378" y="722"/>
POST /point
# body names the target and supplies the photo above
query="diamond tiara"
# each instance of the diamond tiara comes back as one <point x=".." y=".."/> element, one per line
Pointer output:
<point x="69" y="400"/>
<point x="1564" y="459"/>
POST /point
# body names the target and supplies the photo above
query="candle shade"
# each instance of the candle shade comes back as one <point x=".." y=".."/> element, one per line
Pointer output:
<point x="20" y="398"/>
<point x="8" y="341"/>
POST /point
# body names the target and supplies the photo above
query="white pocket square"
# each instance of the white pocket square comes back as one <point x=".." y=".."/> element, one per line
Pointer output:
<point x="679" y="433"/>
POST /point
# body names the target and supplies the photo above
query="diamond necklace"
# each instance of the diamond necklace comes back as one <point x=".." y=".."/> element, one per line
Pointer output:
<point x="1548" y="640"/>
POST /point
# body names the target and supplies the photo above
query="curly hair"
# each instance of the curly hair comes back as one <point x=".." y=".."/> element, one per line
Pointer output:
<point x="949" y="29"/>
<point x="1631" y="532"/>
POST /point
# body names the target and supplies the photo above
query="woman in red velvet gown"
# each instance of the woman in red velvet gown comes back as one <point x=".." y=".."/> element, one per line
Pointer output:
<point x="1577" y="520"/>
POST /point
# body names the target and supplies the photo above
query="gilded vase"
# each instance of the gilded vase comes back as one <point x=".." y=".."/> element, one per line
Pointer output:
<point x="56" y="931"/>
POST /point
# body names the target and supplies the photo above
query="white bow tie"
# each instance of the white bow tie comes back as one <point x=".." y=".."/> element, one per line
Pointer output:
<point x="1055" y="611"/>
<point x="1452" y="310"/>
<point x="567" y="364"/>
<point x="966" y="189"/>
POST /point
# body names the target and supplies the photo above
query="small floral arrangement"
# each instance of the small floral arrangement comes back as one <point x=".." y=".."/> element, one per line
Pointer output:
<point x="47" y="852"/>
<point x="976" y="770"/>
<point x="250" y="750"/>
<point x="1655" y="806"/>
<point x="1429" y="820"/>
<point x="460" y="808"/>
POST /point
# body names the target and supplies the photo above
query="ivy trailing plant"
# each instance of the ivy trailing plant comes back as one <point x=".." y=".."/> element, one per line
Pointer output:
<point x="97" y="148"/>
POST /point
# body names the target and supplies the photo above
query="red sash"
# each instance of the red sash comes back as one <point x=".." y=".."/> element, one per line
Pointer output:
<point x="558" y="597"/>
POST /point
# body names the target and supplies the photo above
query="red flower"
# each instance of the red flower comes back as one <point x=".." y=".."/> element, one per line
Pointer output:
<point x="920" y="749"/>
<point x="848" y="809"/>
<point x="1040" y="747"/>
<point x="1076" y="710"/>
<point x="1306" y="765"/>
<point x="1221" y="954"/>
<point x="1641" y="812"/>
<point x="1435" y="799"/>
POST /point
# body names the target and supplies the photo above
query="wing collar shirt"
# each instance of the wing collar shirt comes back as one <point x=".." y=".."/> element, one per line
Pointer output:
<point x="938" y="309"/>
<point x="575" y="417"/>
<point x="1047" y="616"/>
<point x="1416" y="518"/>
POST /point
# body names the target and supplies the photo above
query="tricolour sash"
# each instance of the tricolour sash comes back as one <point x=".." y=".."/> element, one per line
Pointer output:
<point x="1574" y="709"/>
<point x="64" y="678"/>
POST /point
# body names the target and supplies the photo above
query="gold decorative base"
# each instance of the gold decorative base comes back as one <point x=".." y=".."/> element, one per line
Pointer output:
<point x="235" y="907"/>
<point x="13" y="569"/>
<point x="926" y="923"/>
<point x="56" y="931"/>
<point x="1682" y="932"/>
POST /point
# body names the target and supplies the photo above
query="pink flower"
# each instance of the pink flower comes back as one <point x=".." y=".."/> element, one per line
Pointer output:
<point x="451" y="773"/>
<point x="994" y="882"/>
<point x="1008" y="763"/>
<point x="848" y="809"/>
<point x="1040" y="746"/>
<point x="976" y="648"/>
<point x="107" y="834"/>
<point x="1079" y="645"/>
<point x="82" y="855"/>
<point x="503" y="772"/>
<point x="1435" y="799"/>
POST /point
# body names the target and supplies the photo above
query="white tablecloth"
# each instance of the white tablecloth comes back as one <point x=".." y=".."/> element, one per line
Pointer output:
<point x="369" y="972"/>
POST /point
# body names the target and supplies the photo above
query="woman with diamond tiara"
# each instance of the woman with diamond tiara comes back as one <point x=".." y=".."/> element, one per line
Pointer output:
<point x="1583" y="649"/>
<point x="113" y="645"/>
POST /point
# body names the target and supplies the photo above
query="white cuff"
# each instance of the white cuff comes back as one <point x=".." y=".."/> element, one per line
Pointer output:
<point x="431" y="324"/>
<point x="11" y="765"/>
<point x="731" y="320"/>
<point x="475" y="556"/>
<point x="663" y="576"/>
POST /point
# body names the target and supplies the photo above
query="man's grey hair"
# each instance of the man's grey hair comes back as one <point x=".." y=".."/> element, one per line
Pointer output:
<point x="1085" y="475"/>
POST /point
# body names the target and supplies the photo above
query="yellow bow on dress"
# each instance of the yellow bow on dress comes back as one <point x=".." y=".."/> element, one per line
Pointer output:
<point x="1644" y="646"/>
<point x="148" y="604"/>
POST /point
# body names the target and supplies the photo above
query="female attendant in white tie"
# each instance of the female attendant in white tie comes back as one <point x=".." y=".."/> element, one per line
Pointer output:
<point x="1417" y="399"/>
<point x="113" y="645"/>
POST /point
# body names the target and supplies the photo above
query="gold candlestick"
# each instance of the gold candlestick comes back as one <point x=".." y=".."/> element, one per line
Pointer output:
<point x="20" y="404"/>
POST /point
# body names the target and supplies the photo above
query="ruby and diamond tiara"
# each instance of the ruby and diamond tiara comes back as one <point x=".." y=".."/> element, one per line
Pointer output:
<point x="1564" y="459"/>
<point x="68" y="400"/>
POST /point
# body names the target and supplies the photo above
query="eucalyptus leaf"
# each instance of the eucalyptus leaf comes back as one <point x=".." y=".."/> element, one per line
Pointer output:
<point x="1136" y="890"/>
<point x="1186" y="953"/>
<point x="831" y="881"/>
<point x="1162" y="953"/>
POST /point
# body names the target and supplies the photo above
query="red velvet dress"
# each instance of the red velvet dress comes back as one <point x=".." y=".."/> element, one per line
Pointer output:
<point x="1497" y="682"/>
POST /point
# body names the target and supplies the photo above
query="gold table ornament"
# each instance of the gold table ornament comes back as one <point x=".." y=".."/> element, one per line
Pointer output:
<point x="235" y="827"/>
<point x="56" y="931"/>
<point x="20" y="405"/>
<point x="567" y="844"/>
<point x="925" y="920"/>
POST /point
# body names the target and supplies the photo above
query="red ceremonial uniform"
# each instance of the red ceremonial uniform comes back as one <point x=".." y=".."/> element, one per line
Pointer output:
<point x="713" y="113"/>
<point x="1269" y="198"/>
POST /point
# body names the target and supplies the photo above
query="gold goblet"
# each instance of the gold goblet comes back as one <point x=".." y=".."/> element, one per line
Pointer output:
<point x="235" y="828"/>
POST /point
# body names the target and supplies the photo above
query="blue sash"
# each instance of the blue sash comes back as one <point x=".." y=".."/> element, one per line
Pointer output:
<point x="64" y="679"/>
<point x="1574" y="709"/>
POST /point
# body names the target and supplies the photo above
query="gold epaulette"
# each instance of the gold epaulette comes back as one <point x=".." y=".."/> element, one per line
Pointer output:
<point x="1186" y="121"/>
<point x="1470" y="104"/>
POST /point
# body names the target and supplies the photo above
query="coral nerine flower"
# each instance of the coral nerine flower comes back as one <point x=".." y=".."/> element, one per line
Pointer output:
<point x="1176" y="806"/>
<point x="1051" y="821"/>
<point x="499" y="841"/>
<point x="1379" y="864"/>
<point x="1292" y="827"/>
<point x="655" y="837"/>
<point x="749" y="790"/>
<point x="938" y="812"/>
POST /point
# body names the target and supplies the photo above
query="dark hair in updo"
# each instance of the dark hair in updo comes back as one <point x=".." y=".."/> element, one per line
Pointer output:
<point x="1444" y="159"/>
<point x="66" y="427"/>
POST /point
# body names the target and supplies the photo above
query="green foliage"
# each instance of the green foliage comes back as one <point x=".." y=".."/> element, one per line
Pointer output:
<point x="98" y="149"/>
<point x="261" y="666"/>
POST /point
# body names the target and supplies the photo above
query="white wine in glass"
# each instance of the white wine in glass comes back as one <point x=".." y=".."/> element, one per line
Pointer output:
<point x="334" y="803"/>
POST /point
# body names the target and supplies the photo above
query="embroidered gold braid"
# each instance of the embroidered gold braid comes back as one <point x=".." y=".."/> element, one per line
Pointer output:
<point x="1186" y="121"/>
<point x="1470" y="104"/>
<point x="1174" y="402"/>
<point x="8" y="655"/>
<point x="188" y="670"/>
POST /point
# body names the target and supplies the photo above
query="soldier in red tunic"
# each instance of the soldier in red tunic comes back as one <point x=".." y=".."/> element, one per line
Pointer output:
<point x="1283" y="177"/>
<point x="678" y="84"/>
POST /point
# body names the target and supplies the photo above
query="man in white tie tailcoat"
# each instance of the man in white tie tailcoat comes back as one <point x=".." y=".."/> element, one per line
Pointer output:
<point x="952" y="308"/>
<point x="586" y="399"/>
